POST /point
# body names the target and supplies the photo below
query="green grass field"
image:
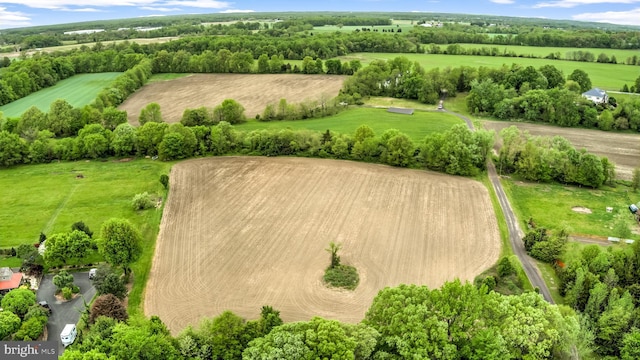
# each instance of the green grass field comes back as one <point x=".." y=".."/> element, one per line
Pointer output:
<point x="605" y="76"/>
<point x="542" y="51"/>
<point x="416" y="126"/>
<point x="78" y="90"/>
<point x="49" y="197"/>
<point x="551" y="205"/>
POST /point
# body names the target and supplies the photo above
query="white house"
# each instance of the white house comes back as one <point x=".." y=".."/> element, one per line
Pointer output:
<point x="596" y="95"/>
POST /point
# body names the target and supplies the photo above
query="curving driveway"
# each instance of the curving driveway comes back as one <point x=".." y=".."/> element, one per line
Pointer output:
<point x="64" y="312"/>
<point x="515" y="233"/>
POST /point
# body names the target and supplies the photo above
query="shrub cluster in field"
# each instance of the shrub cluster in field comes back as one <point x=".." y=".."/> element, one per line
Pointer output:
<point x="502" y="278"/>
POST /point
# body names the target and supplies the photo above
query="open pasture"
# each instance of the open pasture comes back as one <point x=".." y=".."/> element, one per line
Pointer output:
<point x="242" y="232"/>
<point x="49" y="198"/>
<point x="78" y="90"/>
<point x="621" y="148"/>
<point x="253" y="92"/>
<point x="604" y="76"/>
<point x="416" y="126"/>
<point x="542" y="51"/>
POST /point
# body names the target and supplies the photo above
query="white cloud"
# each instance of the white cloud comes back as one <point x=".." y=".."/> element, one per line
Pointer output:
<point x="231" y="11"/>
<point x="162" y="9"/>
<point x="208" y="4"/>
<point x="66" y="4"/>
<point x="502" y="1"/>
<point x="83" y="10"/>
<point x="630" y="17"/>
<point x="9" y="19"/>
<point x="574" y="3"/>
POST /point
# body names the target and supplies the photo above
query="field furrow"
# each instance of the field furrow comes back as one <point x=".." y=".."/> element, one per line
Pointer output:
<point x="241" y="232"/>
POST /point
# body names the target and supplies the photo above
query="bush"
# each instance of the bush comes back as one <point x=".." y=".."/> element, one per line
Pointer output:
<point x="31" y="329"/>
<point x="164" y="180"/>
<point x="142" y="201"/>
<point x="505" y="268"/>
<point x="67" y="293"/>
<point x="63" y="280"/>
<point x="82" y="227"/>
<point x="24" y="250"/>
<point x="343" y="276"/>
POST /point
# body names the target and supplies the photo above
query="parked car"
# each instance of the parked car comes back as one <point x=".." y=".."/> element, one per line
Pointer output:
<point x="92" y="273"/>
<point x="68" y="334"/>
<point x="46" y="306"/>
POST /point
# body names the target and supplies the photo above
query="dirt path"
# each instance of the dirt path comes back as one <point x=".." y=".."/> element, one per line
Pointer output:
<point x="515" y="233"/>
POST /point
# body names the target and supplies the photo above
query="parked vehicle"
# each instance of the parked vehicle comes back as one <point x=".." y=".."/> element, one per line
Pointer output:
<point x="92" y="273"/>
<point x="68" y="334"/>
<point x="46" y="306"/>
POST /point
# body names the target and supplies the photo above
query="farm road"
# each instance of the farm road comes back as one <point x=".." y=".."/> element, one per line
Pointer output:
<point x="515" y="233"/>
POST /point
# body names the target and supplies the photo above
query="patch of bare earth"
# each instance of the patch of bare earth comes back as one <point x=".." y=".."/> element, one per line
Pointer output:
<point x="242" y="232"/>
<point x="622" y="149"/>
<point x="252" y="91"/>
<point x="581" y="210"/>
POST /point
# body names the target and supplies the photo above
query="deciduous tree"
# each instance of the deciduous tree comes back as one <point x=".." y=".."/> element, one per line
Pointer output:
<point x="120" y="243"/>
<point x="18" y="301"/>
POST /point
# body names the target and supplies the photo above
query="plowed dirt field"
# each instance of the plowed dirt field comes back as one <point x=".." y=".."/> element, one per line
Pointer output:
<point x="242" y="232"/>
<point x="254" y="92"/>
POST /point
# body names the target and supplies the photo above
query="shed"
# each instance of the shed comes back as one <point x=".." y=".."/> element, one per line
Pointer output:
<point x="596" y="95"/>
<point x="9" y="280"/>
<point x="404" y="111"/>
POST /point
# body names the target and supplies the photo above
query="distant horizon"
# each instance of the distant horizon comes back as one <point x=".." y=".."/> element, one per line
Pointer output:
<point x="27" y="13"/>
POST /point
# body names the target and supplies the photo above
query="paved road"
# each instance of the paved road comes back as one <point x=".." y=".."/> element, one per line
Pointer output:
<point x="64" y="312"/>
<point x="515" y="233"/>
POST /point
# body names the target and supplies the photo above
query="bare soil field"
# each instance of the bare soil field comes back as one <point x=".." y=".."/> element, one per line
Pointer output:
<point x="242" y="232"/>
<point x="254" y="92"/>
<point x="622" y="149"/>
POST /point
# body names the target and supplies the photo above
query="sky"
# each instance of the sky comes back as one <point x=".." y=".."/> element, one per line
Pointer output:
<point x="20" y="13"/>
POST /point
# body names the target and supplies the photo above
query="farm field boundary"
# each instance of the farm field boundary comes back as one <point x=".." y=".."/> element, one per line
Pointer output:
<point x="242" y="232"/>
<point x="604" y="76"/>
<point x="78" y="90"/>
<point x="252" y="91"/>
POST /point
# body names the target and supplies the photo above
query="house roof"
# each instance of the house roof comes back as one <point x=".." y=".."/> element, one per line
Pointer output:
<point x="595" y="92"/>
<point x="13" y="283"/>
<point x="5" y="272"/>
<point x="400" y="111"/>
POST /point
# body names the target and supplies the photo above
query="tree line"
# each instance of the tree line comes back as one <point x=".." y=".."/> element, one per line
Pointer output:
<point x="530" y="36"/>
<point x="547" y="159"/>
<point x="405" y="321"/>
<point x="543" y="95"/>
<point x="458" y="151"/>
<point x="576" y="55"/>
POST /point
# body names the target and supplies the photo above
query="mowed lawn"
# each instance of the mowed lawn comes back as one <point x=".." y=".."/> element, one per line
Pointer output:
<point x="550" y="206"/>
<point x="78" y="90"/>
<point x="605" y="76"/>
<point x="49" y="198"/>
<point x="416" y="126"/>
